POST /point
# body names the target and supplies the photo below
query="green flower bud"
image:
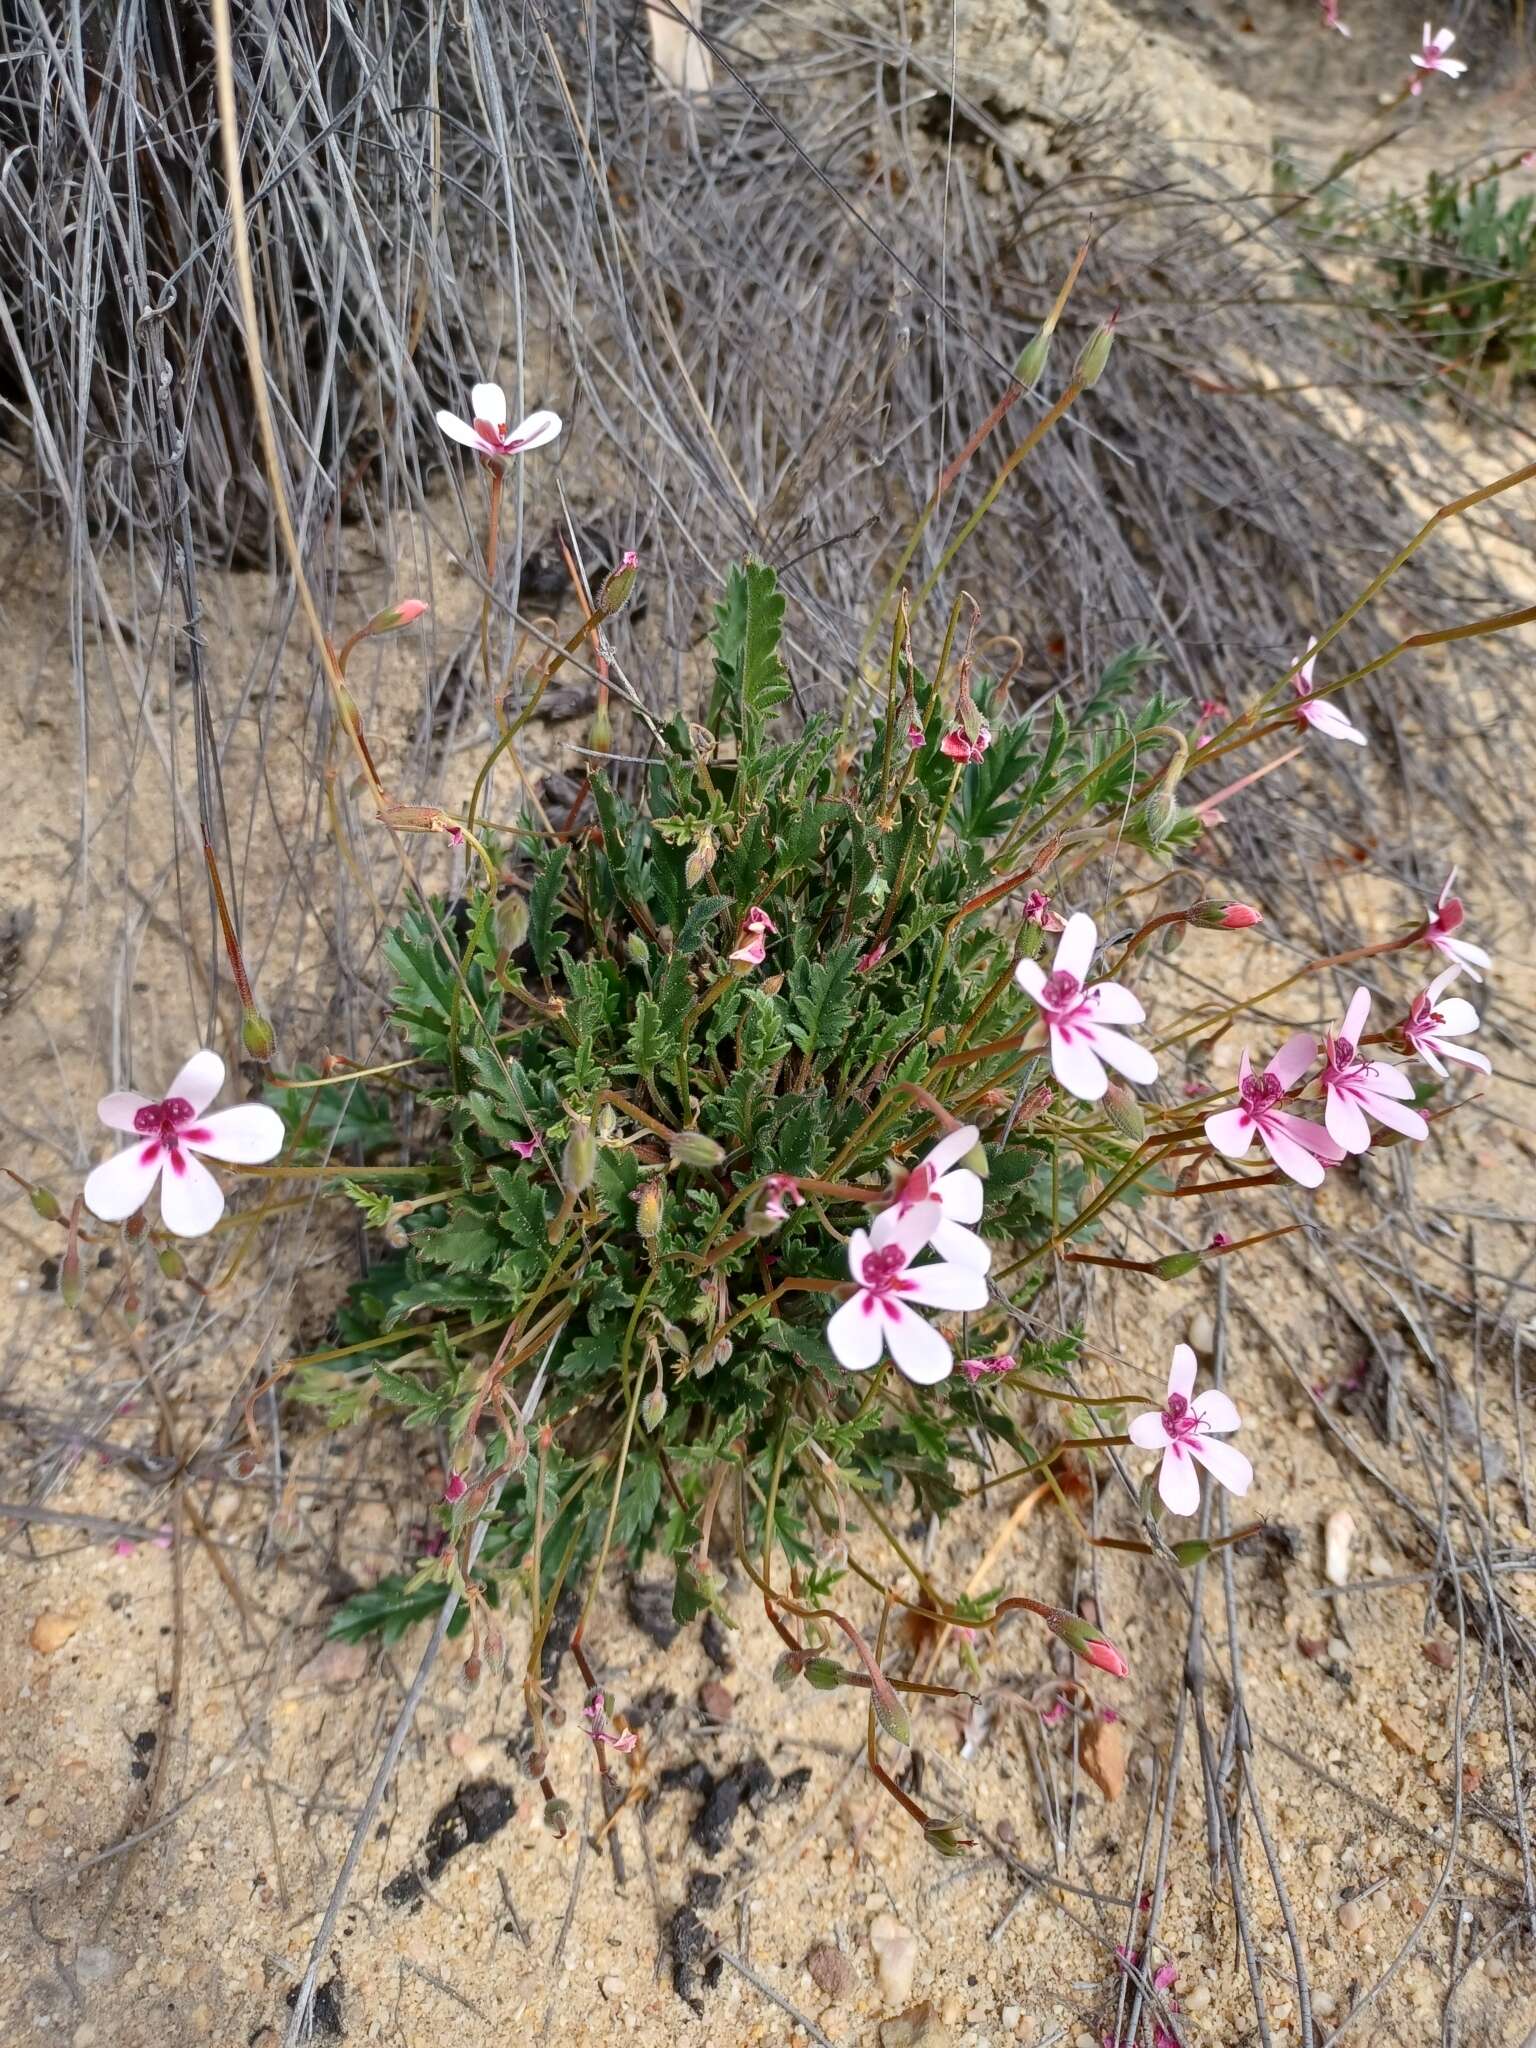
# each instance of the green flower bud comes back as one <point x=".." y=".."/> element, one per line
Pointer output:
<point x="692" y="1148"/>
<point x="653" y="1409"/>
<point x="71" y="1283"/>
<point x="511" y="920"/>
<point x="1124" y="1112"/>
<point x="637" y="951"/>
<point x="1030" y="367"/>
<point x="976" y="1160"/>
<point x="557" y="1817"/>
<point x="892" y="1715"/>
<point x="257" y="1035"/>
<point x="648" y="1205"/>
<point x="600" y="732"/>
<point x="616" y="588"/>
<point x="825" y="1673"/>
<point x="578" y="1163"/>
<point x="1090" y="364"/>
<point x="945" y="1836"/>
<point x="1190" y="1552"/>
<point x="701" y="858"/>
<point x="44" y="1204"/>
<point x="787" y="1669"/>
<point x="1177" y="1264"/>
<point x="171" y="1263"/>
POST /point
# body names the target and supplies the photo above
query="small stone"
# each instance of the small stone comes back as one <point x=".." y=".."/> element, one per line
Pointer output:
<point x="36" y="1816"/>
<point x="1324" y="2004"/>
<point x="830" y="1970"/>
<point x="717" y="1701"/>
<point x="1202" y="1332"/>
<point x="1351" y="1916"/>
<point x="704" y="1889"/>
<point x="335" y="1663"/>
<point x="1404" y="1730"/>
<point x="716" y="1638"/>
<point x="1103" y="1754"/>
<point x="895" y="1950"/>
<point x="910" y="2027"/>
<point x="611" y="1988"/>
<point x="51" y="1632"/>
<point x="1199" y="1999"/>
<point x="1338" y="1539"/>
<point x="650" y="1608"/>
<point x="1439" y="1653"/>
<point x="1010" y="2017"/>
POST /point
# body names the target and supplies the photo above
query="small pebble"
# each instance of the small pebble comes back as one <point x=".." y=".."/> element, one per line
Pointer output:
<point x="1351" y="1916"/>
<point x="1338" y="1540"/>
<point x="895" y="1950"/>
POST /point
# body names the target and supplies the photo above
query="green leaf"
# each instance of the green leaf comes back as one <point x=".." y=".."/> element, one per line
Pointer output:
<point x="390" y="1608"/>
<point x="650" y="1043"/>
<point x="542" y="900"/>
<point x="822" y="998"/>
<point x="750" y="682"/>
<point x="698" y="922"/>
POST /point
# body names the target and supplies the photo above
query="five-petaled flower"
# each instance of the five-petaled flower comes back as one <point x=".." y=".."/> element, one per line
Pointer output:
<point x="1299" y="1148"/>
<point x="1187" y="1429"/>
<point x="752" y="940"/>
<point x="595" y="1721"/>
<point x="963" y="746"/>
<point x="887" y="1285"/>
<point x="169" y="1135"/>
<point x="1442" y="927"/>
<point x="1354" y="1089"/>
<point x="1434" y="1019"/>
<point x="1432" y="57"/>
<point x="1327" y="719"/>
<point x="1076" y="1016"/>
<point x="487" y="431"/>
<point x="960" y="1195"/>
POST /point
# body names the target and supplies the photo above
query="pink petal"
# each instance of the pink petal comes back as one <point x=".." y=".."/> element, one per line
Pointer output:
<point x="950" y="1150"/>
<point x="1148" y="1432"/>
<point x="1224" y="1462"/>
<point x="1124" y="1055"/>
<point x="1392" y="1081"/>
<point x="1231" y="1132"/>
<point x="248" y="1135"/>
<point x="1217" y="1411"/>
<point x="1075" y="949"/>
<point x="488" y="402"/>
<point x="1346" y="1122"/>
<point x="921" y="1353"/>
<point x="1113" y="1004"/>
<point x="1355" y="1016"/>
<point x="191" y="1200"/>
<point x="533" y="432"/>
<point x="1397" y="1116"/>
<point x="1181" y="1374"/>
<point x="121" y="1184"/>
<point x="855" y="1335"/>
<point x="460" y="431"/>
<point x="199" y="1081"/>
<point x="1178" y="1483"/>
<point x="1328" y="719"/>
<point x="1292" y="1158"/>
<point x="1302" y="1131"/>
<point x="940" y="1286"/>
<point x="1076" y="1067"/>
<point x="117" y="1111"/>
<point x="1293" y="1059"/>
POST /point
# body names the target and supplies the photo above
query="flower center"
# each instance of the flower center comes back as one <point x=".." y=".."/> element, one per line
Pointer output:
<point x="1261" y="1092"/>
<point x="884" y="1267"/>
<point x="1180" y="1419"/>
<point x="1061" y="989"/>
<point x="163" y="1120"/>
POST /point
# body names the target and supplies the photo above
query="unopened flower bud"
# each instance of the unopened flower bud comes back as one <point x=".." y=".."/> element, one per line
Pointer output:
<point x="1125" y="1112"/>
<point x="578" y="1162"/>
<point x="1090" y="364"/>
<point x="636" y="950"/>
<point x="618" y="585"/>
<point x="891" y="1714"/>
<point x="511" y="920"/>
<point x="600" y="732"/>
<point x="1223" y="917"/>
<point x="257" y="1035"/>
<point x="692" y="1148"/>
<point x="1192" y="1551"/>
<point x="701" y="858"/>
<point x="45" y="1204"/>
<point x="787" y="1669"/>
<point x="171" y="1263"/>
<point x="71" y="1283"/>
<point x="945" y="1836"/>
<point x="648" y="1205"/>
<point x="825" y="1673"/>
<point x="1030" y="367"/>
<point x="674" y="1339"/>
<point x="1087" y="1642"/>
<point x="557" y="1817"/>
<point x="653" y="1409"/>
<point x="405" y="613"/>
<point x="1177" y="1264"/>
<point x="976" y="1160"/>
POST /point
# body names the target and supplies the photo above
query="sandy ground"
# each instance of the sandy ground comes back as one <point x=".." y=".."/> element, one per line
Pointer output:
<point x="184" y="1756"/>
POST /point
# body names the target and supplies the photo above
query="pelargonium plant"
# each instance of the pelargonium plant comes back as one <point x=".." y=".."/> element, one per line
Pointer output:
<point x="749" y="1122"/>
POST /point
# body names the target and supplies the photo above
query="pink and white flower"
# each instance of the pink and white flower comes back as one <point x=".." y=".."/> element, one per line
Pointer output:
<point x="487" y="432"/>
<point x="960" y="745"/>
<point x="1077" y="1017"/>
<point x="1324" y="718"/>
<point x="1432" y="1021"/>
<point x="595" y="1720"/>
<point x="1432" y="57"/>
<point x="781" y="1194"/>
<point x="1299" y="1148"/>
<point x="752" y="940"/>
<point x="1038" y="911"/>
<point x="1354" y="1089"/>
<point x="887" y="1285"/>
<point x="959" y="1193"/>
<point x="170" y="1134"/>
<point x="1440" y="932"/>
<point x="916" y="737"/>
<point x="979" y="1368"/>
<point x="1187" y="1429"/>
<point x="524" y="1147"/>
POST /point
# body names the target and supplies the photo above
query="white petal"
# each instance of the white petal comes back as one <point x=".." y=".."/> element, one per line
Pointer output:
<point x="1461" y="1053"/>
<point x="1224" y="1462"/>
<point x="1030" y="976"/>
<point x="1293" y="1058"/>
<point x="1074" y="952"/>
<point x="1457" y="1016"/>
<point x="1181" y="1374"/>
<point x="855" y="1335"/>
<point x="1179" y="1483"/>
<point x="858" y="1248"/>
<point x="941" y="1286"/>
<point x="1148" y="1432"/>
<point x="489" y="403"/>
<point x="199" y="1080"/>
<point x="951" y="1149"/>
<point x="456" y="430"/>
<point x="910" y="1228"/>
<point x="962" y="1194"/>
<point x="534" y="431"/>
<point x="919" y="1350"/>
<point x="191" y="1200"/>
<point x="962" y="1247"/>
<point x="1231" y="1132"/>
<point x="122" y="1183"/>
<point x="118" y="1111"/>
<point x="1113" y="1004"/>
<point x="1469" y="956"/>
<point x="1328" y="719"/>
<point x="1355" y="1016"/>
<point x="1427" y="1050"/>
<point x="248" y="1135"/>
<point x="1217" y="1411"/>
<point x="1076" y="1067"/>
<point x="1124" y="1055"/>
